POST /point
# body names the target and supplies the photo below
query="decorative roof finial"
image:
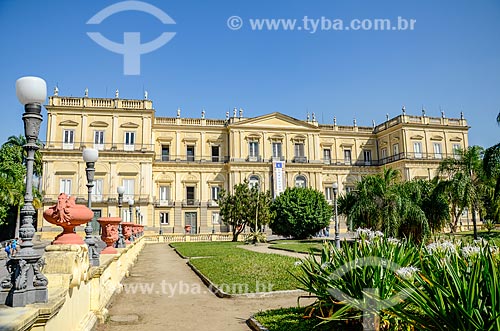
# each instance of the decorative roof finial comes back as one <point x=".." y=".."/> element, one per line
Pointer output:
<point x="335" y="120"/>
<point x="227" y="115"/>
<point x="373" y="123"/>
<point x="423" y="111"/>
<point x="179" y="112"/>
<point x="404" y="110"/>
<point x="86" y="93"/>
<point x="56" y="91"/>
<point x="145" y="95"/>
<point x="387" y="116"/>
<point x="203" y="113"/>
<point x="117" y="94"/>
<point x="442" y="114"/>
<point x="354" y="122"/>
<point x="241" y="112"/>
<point x="461" y="115"/>
<point x="234" y="111"/>
<point x="308" y="118"/>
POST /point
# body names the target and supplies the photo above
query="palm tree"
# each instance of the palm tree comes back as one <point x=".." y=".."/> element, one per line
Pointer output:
<point x="463" y="183"/>
<point x="381" y="202"/>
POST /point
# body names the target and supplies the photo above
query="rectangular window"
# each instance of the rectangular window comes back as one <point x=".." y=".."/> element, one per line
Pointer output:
<point x="215" y="218"/>
<point x="164" y="194"/>
<point x="327" y="155"/>
<point x="68" y="139"/>
<point x="253" y="150"/>
<point x="97" y="190"/>
<point x="129" y="141"/>
<point x="129" y="185"/>
<point x="437" y="151"/>
<point x="65" y="186"/>
<point x="190" y="195"/>
<point x="165" y="153"/>
<point x="190" y="153"/>
<point x="417" y="149"/>
<point x="367" y="156"/>
<point x="164" y="218"/>
<point x="329" y="193"/>
<point x="456" y="148"/>
<point x="99" y="140"/>
<point x="277" y="153"/>
<point x="347" y="156"/>
<point x="126" y="215"/>
<point x="395" y="151"/>
<point x="215" y="154"/>
<point x="215" y="190"/>
<point x="383" y="153"/>
<point x="299" y="150"/>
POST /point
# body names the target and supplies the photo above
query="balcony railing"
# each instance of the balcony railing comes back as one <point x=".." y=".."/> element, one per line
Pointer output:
<point x="190" y="203"/>
<point x="189" y="158"/>
<point x="111" y="147"/>
<point x="164" y="203"/>
<point x="81" y="198"/>
<point x="299" y="159"/>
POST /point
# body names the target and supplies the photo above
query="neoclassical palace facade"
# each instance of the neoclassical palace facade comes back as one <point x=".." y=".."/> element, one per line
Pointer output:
<point x="174" y="167"/>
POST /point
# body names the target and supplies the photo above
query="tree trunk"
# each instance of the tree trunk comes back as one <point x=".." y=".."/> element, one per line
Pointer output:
<point x="474" y="221"/>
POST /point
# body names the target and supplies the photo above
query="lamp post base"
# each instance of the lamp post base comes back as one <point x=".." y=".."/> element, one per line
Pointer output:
<point x="25" y="283"/>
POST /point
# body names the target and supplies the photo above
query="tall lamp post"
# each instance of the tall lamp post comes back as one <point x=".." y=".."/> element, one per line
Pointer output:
<point x="130" y="205"/>
<point x="121" y="241"/>
<point x="25" y="282"/>
<point x="337" y="237"/>
<point x="90" y="156"/>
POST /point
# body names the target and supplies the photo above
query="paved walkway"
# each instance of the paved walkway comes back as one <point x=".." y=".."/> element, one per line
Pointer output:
<point x="264" y="248"/>
<point x="169" y="296"/>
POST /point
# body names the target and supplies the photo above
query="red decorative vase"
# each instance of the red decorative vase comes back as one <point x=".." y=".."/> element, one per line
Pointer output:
<point x="67" y="214"/>
<point x="127" y="231"/>
<point x="135" y="230"/>
<point x="109" y="226"/>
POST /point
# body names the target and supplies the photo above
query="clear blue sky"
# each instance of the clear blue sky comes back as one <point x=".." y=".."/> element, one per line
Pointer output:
<point x="451" y="60"/>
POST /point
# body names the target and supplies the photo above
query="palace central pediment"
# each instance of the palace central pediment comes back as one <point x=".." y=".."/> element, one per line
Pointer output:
<point x="274" y="121"/>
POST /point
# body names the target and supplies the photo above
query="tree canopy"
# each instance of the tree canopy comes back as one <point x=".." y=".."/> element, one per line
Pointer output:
<point x="300" y="212"/>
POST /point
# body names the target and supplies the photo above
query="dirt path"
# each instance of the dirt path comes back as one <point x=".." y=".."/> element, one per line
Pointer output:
<point x="169" y="296"/>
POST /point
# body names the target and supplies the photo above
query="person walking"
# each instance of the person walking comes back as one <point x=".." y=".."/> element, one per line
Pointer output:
<point x="13" y="247"/>
<point x="8" y="249"/>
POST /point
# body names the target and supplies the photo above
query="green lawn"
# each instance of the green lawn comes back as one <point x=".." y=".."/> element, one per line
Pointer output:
<point x="300" y="246"/>
<point x="235" y="270"/>
<point x="293" y="319"/>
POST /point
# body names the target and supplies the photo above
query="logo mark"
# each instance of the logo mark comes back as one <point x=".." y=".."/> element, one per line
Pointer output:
<point x="132" y="49"/>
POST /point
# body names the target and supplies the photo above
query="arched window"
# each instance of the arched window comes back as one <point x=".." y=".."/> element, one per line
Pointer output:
<point x="300" y="181"/>
<point x="254" y="181"/>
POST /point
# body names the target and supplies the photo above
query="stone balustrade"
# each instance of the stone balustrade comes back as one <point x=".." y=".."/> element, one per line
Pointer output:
<point x="78" y="293"/>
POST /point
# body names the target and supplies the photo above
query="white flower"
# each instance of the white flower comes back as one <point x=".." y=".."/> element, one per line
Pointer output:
<point x="393" y="240"/>
<point x="297" y="263"/>
<point x="377" y="234"/>
<point x="470" y="251"/>
<point x="480" y="242"/>
<point x="407" y="272"/>
<point x="446" y="247"/>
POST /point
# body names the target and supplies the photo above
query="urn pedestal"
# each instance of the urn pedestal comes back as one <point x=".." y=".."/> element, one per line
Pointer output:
<point x="127" y="231"/>
<point x="67" y="214"/>
<point x="109" y="226"/>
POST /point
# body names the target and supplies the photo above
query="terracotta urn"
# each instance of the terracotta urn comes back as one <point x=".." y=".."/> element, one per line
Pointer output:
<point x="67" y="214"/>
<point x="135" y="231"/>
<point x="127" y="231"/>
<point x="141" y="230"/>
<point x="187" y="228"/>
<point x="109" y="226"/>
